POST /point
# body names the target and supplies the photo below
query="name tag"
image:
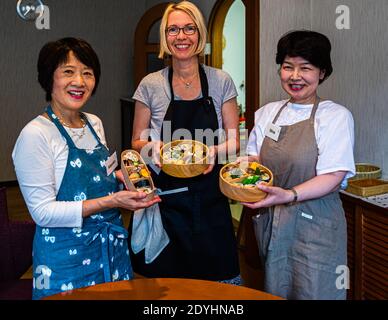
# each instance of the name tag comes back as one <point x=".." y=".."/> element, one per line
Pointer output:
<point x="273" y="131"/>
<point x="111" y="163"/>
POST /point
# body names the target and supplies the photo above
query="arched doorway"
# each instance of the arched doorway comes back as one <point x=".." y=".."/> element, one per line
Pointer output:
<point x="146" y="50"/>
<point x="252" y="45"/>
<point x="147" y="43"/>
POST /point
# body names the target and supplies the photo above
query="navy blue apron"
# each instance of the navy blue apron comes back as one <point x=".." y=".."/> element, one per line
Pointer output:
<point x="198" y="222"/>
<point x="69" y="258"/>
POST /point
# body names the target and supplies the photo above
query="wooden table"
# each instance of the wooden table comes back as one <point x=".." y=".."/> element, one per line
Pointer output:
<point x="164" y="289"/>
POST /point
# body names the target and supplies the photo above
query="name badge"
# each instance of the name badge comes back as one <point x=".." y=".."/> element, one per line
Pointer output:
<point x="111" y="163"/>
<point x="273" y="131"/>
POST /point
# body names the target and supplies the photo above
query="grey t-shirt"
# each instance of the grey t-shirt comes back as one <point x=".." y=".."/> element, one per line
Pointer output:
<point x="154" y="92"/>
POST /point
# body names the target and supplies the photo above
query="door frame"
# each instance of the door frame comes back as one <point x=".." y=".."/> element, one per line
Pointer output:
<point x="252" y="50"/>
<point x="141" y="47"/>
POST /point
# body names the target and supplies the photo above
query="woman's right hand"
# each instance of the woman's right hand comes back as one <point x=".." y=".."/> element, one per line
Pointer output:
<point x="155" y="149"/>
<point x="132" y="200"/>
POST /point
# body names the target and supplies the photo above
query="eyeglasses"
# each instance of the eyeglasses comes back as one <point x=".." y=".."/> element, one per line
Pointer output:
<point x="175" y="30"/>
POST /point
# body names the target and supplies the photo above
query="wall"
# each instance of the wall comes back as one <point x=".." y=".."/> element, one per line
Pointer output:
<point x="110" y="30"/>
<point x="359" y="80"/>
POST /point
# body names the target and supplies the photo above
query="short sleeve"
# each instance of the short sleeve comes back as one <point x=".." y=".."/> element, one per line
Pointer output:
<point x="229" y="87"/>
<point x="336" y="142"/>
<point x="262" y="117"/>
<point x="141" y="94"/>
<point x="252" y="148"/>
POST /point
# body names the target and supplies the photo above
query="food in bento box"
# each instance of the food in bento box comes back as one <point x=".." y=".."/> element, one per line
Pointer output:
<point x="184" y="153"/>
<point x="135" y="171"/>
<point x="238" y="181"/>
<point x="184" y="158"/>
<point x="245" y="177"/>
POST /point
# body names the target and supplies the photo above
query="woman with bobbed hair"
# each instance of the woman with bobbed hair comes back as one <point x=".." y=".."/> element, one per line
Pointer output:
<point x="307" y="142"/>
<point x="189" y="96"/>
<point x="61" y="163"/>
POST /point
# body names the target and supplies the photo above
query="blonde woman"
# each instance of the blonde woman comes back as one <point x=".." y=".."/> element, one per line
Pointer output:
<point x="190" y="96"/>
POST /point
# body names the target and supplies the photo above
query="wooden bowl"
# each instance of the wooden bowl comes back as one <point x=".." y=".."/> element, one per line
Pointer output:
<point x="241" y="193"/>
<point x="131" y="181"/>
<point x="185" y="170"/>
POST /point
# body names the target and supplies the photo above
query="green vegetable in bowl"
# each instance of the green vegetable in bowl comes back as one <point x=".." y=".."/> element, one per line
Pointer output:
<point x="250" y="180"/>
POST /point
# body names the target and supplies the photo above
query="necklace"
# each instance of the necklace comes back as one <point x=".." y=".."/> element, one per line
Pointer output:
<point x="74" y="133"/>
<point x="79" y="135"/>
<point x="187" y="84"/>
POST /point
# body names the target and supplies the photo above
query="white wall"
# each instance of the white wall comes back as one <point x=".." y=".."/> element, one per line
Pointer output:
<point x="359" y="56"/>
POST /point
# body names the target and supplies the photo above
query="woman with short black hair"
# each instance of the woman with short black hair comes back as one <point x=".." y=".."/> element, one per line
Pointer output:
<point x="61" y="162"/>
<point x="307" y="142"/>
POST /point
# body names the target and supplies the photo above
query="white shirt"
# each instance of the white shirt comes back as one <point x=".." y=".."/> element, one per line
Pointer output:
<point x="333" y="127"/>
<point x="40" y="159"/>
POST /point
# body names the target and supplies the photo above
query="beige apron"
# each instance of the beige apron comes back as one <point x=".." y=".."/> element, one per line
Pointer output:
<point x="302" y="244"/>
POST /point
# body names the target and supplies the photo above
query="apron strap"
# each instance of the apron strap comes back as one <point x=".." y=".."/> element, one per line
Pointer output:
<point x="280" y="111"/>
<point x="60" y="127"/>
<point x="204" y="82"/>
<point x="312" y="115"/>
<point x="63" y="131"/>
<point x="85" y="118"/>
<point x="315" y="108"/>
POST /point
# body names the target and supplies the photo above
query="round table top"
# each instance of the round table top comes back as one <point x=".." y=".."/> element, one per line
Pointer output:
<point x="163" y="289"/>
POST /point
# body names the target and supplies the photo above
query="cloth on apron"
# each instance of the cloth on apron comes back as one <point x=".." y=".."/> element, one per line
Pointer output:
<point x="148" y="233"/>
<point x="302" y="244"/>
<point x="198" y="222"/>
<point x="68" y="258"/>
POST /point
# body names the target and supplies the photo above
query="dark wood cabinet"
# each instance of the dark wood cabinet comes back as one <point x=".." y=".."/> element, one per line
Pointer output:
<point x="367" y="249"/>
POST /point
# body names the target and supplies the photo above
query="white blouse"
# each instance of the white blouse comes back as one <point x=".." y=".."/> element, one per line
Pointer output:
<point x="40" y="158"/>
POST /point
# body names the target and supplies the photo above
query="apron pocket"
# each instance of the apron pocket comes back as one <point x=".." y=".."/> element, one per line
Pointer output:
<point x="261" y="226"/>
<point x="316" y="240"/>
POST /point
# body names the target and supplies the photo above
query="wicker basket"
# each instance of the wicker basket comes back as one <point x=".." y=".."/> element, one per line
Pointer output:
<point x="240" y="193"/>
<point x="367" y="187"/>
<point x="130" y="182"/>
<point x="185" y="170"/>
<point x="366" y="171"/>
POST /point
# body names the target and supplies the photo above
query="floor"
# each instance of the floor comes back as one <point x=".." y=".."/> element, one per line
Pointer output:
<point x="252" y="276"/>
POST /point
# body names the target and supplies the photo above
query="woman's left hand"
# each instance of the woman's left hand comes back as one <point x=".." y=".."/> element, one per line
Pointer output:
<point x="211" y="159"/>
<point x="275" y="195"/>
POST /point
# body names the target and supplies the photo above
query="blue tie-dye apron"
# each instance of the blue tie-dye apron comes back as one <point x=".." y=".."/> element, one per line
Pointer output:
<point x="69" y="258"/>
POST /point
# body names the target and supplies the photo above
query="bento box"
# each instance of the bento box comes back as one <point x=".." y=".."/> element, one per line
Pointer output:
<point x="136" y="174"/>
<point x="238" y="181"/>
<point x="184" y="158"/>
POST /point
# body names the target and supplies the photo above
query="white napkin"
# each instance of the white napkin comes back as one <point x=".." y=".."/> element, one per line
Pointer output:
<point x="148" y="233"/>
